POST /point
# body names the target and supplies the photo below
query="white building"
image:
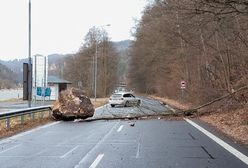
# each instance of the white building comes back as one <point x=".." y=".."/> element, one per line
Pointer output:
<point x="39" y="74"/>
<point x="56" y="85"/>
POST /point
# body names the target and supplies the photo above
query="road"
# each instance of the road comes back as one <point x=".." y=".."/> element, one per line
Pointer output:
<point x="17" y="105"/>
<point x="112" y="144"/>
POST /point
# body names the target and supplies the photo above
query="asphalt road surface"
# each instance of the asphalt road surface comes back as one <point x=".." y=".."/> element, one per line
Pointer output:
<point x="116" y="144"/>
<point x="11" y="106"/>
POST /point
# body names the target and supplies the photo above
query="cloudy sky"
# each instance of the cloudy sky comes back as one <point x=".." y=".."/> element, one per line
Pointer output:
<point x="59" y="26"/>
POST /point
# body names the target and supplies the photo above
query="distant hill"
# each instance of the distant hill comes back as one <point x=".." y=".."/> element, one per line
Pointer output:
<point x="17" y="65"/>
<point x="56" y="61"/>
<point x="122" y="45"/>
<point x="8" y="79"/>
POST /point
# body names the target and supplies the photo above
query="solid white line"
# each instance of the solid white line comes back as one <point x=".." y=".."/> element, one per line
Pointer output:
<point x="27" y="132"/>
<point x="87" y="156"/>
<point x="120" y="128"/>
<point x="9" y="148"/>
<point x="229" y="148"/>
<point x="173" y="110"/>
<point x="70" y="151"/>
<point x="100" y="107"/>
<point x="97" y="161"/>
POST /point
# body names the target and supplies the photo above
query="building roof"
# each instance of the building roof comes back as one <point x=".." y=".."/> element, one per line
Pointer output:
<point x="56" y="79"/>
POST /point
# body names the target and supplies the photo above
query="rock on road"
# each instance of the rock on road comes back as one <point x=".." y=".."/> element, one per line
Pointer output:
<point x="111" y="144"/>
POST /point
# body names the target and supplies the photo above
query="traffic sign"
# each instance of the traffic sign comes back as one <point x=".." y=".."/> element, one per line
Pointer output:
<point x="183" y="85"/>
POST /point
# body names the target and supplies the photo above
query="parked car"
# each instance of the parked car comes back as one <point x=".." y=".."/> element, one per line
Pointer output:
<point x="124" y="98"/>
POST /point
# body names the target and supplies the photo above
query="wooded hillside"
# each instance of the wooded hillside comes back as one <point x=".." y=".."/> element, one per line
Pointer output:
<point x="203" y="42"/>
<point x="8" y="79"/>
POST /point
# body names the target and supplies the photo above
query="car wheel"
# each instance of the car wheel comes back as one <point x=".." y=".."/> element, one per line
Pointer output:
<point x="126" y="104"/>
<point x="112" y="105"/>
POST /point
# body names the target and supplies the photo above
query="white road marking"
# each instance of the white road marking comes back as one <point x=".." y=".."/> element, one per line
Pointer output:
<point x="70" y="151"/>
<point x="87" y="156"/>
<point x="100" y="107"/>
<point x="138" y="151"/>
<point x="97" y="161"/>
<point x="226" y="146"/>
<point x="172" y="109"/>
<point x="27" y="132"/>
<point x="39" y="153"/>
<point x="9" y="148"/>
<point x="120" y="128"/>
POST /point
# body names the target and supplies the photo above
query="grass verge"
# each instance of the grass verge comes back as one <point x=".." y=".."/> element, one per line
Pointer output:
<point x="99" y="102"/>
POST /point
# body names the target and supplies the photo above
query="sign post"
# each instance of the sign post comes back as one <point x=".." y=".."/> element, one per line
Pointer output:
<point x="183" y="87"/>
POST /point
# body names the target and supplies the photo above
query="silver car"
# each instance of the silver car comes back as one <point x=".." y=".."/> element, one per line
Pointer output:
<point x="124" y="98"/>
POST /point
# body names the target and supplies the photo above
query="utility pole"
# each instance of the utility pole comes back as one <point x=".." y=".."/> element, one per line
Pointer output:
<point x="29" y="57"/>
<point x="95" y="64"/>
<point x="95" y="75"/>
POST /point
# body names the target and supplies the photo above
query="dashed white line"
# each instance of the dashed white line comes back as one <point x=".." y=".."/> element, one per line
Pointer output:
<point x="70" y="151"/>
<point x="97" y="161"/>
<point x="120" y="128"/>
<point x="226" y="146"/>
<point x="9" y="148"/>
<point x="87" y="156"/>
<point x="138" y="151"/>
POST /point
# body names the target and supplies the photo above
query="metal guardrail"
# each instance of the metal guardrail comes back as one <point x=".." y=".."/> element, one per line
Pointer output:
<point x="22" y="112"/>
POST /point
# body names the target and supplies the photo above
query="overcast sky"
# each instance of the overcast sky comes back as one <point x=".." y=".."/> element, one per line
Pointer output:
<point x="59" y="26"/>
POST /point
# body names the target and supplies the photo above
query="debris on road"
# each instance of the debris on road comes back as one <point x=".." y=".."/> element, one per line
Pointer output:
<point x="73" y="104"/>
<point x="132" y="124"/>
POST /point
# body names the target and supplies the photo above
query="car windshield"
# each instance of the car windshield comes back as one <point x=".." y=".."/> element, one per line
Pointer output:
<point x="116" y="95"/>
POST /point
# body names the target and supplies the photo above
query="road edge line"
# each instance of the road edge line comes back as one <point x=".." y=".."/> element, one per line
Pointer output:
<point x="101" y="107"/>
<point x="97" y="161"/>
<point x="27" y="132"/>
<point x="219" y="141"/>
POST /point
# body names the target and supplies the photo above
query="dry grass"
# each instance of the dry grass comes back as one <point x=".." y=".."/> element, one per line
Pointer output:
<point x="4" y="132"/>
<point x="173" y="103"/>
<point x="233" y="123"/>
<point x="99" y="102"/>
<point x="12" y="100"/>
<point x="16" y="126"/>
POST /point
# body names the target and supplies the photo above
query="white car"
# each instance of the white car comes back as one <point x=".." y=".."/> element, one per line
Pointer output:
<point x="124" y="98"/>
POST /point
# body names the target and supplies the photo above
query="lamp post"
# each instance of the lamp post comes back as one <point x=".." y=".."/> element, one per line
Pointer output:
<point x="29" y="56"/>
<point x="95" y="71"/>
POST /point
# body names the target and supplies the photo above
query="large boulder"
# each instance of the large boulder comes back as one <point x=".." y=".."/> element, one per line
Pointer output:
<point x="73" y="104"/>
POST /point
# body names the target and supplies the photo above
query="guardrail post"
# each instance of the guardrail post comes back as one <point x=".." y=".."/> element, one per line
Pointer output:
<point x="33" y="116"/>
<point x="42" y="114"/>
<point x="22" y="119"/>
<point x="8" y="123"/>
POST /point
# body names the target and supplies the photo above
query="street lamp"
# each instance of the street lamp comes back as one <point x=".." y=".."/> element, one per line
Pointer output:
<point x="29" y="56"/>
<point x="95" y="71"/>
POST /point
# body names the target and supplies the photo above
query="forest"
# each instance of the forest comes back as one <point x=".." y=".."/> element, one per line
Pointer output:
<point x="8" y="78"/>
<point x="201" y="42"/>
<point x="97" y="53"/>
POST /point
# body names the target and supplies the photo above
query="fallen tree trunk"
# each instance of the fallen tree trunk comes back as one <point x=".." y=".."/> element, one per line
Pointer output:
<point x="194" y="110"/>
